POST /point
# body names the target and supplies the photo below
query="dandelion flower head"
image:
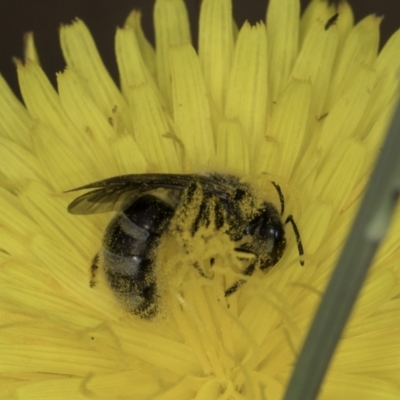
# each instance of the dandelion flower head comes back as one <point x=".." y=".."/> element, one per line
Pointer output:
<point x="301" y="101"/>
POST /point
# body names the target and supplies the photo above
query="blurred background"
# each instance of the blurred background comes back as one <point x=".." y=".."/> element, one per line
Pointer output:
<point x="44" y="17"/>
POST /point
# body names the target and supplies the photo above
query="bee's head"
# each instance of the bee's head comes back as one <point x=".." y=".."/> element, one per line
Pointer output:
<point x="267" y="235"/>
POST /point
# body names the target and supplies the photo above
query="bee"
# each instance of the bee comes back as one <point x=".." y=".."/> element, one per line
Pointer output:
<point x="147" y="203"/>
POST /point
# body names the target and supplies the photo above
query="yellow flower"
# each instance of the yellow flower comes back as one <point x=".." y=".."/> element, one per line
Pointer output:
<point x="302" y="102"/>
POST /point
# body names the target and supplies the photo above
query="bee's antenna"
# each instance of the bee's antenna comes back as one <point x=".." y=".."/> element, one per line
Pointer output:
<point x="291" y="220"/>
<point x="297" y="234"/>
<point x="281" y="197"/>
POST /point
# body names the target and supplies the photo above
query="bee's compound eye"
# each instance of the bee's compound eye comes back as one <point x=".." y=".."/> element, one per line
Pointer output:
<point x="275" y="243"/>
<point x="278" y="231"/>
<point x="279" y="243"/>
<point x="149" y="213"/>
<point x="265" y="227"/>
<point x="274" y="234"/>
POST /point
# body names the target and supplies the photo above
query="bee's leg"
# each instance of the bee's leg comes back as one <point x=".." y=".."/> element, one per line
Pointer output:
<point x="94" y="266"/>
<point x="200" y="271"/>
<point x="210" y="212"/>
<point x="247" y="272"/>
<point x="190" y="201"/>
<point x="188" y="222"/>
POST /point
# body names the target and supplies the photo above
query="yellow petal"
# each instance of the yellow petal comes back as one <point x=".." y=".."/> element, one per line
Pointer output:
<point x="92" y="125"/>
<point x="360" y="50"/>
<point x="323" y="10"/>
<point x="16" y="229"/>
<point x="344" y="117"/>
<point x="132" y="70"/>
<point x="247" y="91"/>
<point x="376" y="292"/>
<point x="216" y="47"/>
<point x="18" y="164"/>
<point x="149" y="56"/>
<point x="30" y="52"/>
<point x="386" y="90"/>
<point x="283" y="42"/>
<point x="80" y="52"/>
<point x="191" y="110"/>
<point x="340" y="172"/>
<point x="46" y="208"/>
<point x="14" y="118"/>
<point x="367" y="354"/>
<point x="232" y="152"/>
<point x="65" y="168"/>
<point x="315" y="223"/>
<point x="151" y="129"/>
<point x="278" y="153"/>
<point x="355" y="386"/>
<point x="127" y="155"/>
<point x="172" y="29"/>
<point x="315" y="62"/>
<point x="62" y="357"/>
<point x="72" y="272"/>
<point x="41" y="99"/>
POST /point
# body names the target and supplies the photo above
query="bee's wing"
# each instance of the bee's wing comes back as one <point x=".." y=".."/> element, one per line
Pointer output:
<point x="102" y="200"/>
<point x="115" y="194"/>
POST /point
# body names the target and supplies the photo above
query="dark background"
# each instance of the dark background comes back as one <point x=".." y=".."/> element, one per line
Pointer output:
<point x="43" y="17"/>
